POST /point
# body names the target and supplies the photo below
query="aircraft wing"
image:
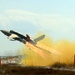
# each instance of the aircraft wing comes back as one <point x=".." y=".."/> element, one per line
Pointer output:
<point x="19" y="39"/>
<point x="39" y="38"/>
<point x="18" y="34"/>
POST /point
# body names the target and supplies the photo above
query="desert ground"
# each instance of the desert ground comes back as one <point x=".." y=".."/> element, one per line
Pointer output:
<point x="21" y="70"/>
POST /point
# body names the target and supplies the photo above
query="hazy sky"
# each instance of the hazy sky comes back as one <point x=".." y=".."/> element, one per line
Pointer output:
<point x="55" y="18"/>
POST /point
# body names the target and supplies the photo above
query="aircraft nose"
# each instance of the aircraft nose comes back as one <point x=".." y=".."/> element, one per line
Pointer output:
<point x="5" y="32"/>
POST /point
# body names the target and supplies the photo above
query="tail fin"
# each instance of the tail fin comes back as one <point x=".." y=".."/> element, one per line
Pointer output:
<point x="39" y="38"/>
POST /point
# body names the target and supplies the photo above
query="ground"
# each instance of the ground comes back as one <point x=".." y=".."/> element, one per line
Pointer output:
<point x="20" y="70"/>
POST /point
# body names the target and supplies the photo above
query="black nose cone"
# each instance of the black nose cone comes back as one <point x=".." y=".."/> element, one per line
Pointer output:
<point x="5" y="32"/>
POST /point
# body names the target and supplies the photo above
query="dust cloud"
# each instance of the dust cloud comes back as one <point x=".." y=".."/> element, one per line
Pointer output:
<point x="66" y="49"/>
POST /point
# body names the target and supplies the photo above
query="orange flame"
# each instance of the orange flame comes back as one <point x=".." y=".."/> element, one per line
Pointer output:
<point x="47" y="48"/>
<point x="35" y="49"/>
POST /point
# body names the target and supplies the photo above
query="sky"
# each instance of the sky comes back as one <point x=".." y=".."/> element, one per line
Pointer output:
<point x="55" y="18"/>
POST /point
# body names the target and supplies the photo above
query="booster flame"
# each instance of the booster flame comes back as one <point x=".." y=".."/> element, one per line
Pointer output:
<point x="35" y="49"/>
<point x="48" y="48"/>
